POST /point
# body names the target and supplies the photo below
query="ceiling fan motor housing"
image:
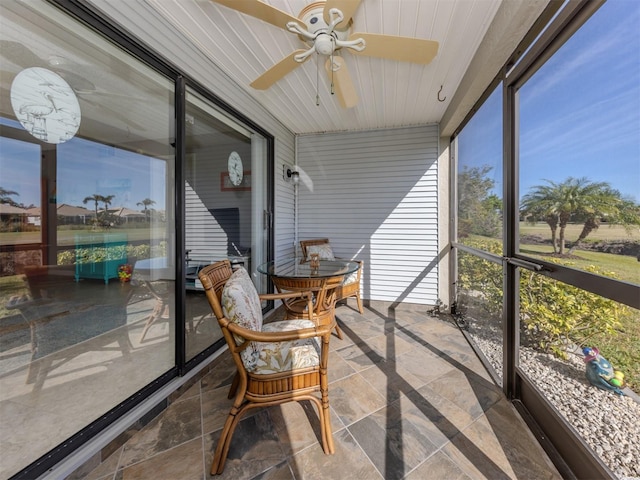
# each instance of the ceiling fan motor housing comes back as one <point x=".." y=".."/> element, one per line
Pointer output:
<point x="313" y="17"/>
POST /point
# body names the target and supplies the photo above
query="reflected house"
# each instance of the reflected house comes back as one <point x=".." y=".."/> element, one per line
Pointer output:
<point x="126" y="215"/>
<point x="67" y="215"/>
<point x="10" y="215"/>
<point x="33" y="216"/>
<point x="70" y="215"/>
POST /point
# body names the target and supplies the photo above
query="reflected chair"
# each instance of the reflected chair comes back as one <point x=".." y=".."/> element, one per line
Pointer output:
<point x="276" y="362"/>
<point x="67" y="320"/>
<point x="350" y="286"/>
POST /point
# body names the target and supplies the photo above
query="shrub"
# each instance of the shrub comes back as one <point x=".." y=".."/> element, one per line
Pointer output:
<point x="557" y="316"/>
<point x="553" y="315"/>
<point x="84" y="255"/>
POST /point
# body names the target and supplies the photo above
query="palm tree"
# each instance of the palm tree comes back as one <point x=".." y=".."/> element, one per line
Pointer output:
<point x="146" y="203"/>
<point x="540" y="204"/>
<point x="575" y="199"/>
<point x="606" y="204"/>
<point x="107" y="201"/>
<point x="5" y="196"/>
<point x="96" y="199"/>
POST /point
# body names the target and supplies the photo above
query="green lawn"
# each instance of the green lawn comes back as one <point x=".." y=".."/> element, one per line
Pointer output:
<point x="67" y="237"/>
<point x="605" y="232"/>
<point x="625" y="267"/>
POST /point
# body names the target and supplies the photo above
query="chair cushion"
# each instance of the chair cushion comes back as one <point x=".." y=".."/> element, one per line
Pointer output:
<point x="324" y="250"/>
<point x="285" y="356"/>
<point x="241" y="305"/>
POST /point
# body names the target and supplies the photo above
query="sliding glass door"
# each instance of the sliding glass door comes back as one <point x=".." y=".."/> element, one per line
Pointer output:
<point x="86" y="173"/>
<point x="92" y="256"/>
<point x="225" y="195"/>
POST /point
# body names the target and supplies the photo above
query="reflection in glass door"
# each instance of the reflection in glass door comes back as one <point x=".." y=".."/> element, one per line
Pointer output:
<point x="87" y="168"/>
<point x="224" y="200"/>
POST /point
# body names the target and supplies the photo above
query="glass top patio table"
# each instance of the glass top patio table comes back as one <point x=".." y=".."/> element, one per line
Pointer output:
<point x="292" y="268"/>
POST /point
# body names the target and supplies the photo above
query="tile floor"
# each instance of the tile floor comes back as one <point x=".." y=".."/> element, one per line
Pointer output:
<point x="409" y="399"/>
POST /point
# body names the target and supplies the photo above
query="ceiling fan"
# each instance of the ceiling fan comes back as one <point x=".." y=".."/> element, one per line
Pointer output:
<point x="325" y="26"/>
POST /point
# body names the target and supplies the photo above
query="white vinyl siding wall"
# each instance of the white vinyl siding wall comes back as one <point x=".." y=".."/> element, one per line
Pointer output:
<point x="204" y="239"/>
<point x="374" y="194"/>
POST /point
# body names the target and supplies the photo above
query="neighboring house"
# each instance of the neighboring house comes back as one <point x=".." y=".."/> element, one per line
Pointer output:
<point x="126" y="215"/>
<point x="33" y="216"/>
<point x="70" y="215"/>
<point x="10" y="215"/>
<point x="67" y="215"/>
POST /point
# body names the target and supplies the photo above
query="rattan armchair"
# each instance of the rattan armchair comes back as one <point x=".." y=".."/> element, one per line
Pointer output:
<point x="305" y="244"/>
<point x="276" y="362"/>
<point x="350" y="286"/>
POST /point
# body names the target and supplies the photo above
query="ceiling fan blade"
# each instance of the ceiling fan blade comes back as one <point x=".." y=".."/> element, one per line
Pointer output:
<point x="75" y="81"/>
<point x="402" y="49"/>
<point x="123" y="117"/>
<point x="342" y="82"/>
<point x="347" y="7"/>
<point x="261" y="11"/>
<point x="278" y="71"/>
<point x="20" y="55"/>
<point x="6" y="77"/>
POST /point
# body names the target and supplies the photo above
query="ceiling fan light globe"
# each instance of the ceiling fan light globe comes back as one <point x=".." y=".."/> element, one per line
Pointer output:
<point x="324" y="44"/>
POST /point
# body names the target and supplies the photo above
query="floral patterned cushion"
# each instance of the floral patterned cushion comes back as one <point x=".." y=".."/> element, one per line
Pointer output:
<point x="324" y="250"/>
<point x="284" y="356"/>
<point x="241" y="305"/>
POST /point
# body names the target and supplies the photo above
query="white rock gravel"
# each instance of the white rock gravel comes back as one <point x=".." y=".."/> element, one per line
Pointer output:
<point x="607" y="422"/>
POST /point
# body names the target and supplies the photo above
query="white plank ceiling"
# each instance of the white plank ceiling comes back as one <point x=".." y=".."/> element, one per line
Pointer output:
<point x="391" y="93"/>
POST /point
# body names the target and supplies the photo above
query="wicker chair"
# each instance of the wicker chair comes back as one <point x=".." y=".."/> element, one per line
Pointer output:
<point x="276" y="362"/>
<point x="351" y="284"/>
<point x="324" y="301"/>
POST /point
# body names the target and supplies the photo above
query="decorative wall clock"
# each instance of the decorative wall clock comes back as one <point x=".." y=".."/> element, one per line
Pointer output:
<point x="235" y="169"/>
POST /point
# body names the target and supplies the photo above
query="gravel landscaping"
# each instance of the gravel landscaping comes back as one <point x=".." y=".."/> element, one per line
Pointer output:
<point x="607" y="422"/>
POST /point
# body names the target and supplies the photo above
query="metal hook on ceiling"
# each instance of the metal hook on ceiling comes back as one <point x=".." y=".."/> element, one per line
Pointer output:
<point x="441" y="99"/>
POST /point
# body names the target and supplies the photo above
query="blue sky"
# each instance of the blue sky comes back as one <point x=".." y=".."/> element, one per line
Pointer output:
<point x="129" y="176"/>
<point x="84" y="168"/>
<point x="579" y="114"/>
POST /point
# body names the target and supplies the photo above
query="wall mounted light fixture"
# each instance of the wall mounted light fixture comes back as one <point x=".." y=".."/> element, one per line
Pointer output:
<point x="289" y="175"/>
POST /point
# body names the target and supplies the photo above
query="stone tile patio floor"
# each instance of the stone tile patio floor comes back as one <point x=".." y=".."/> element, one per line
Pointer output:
<point x="409" y="399"/>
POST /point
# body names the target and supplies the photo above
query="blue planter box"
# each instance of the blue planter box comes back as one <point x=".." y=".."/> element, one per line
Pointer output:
<point x="109" y="246"/>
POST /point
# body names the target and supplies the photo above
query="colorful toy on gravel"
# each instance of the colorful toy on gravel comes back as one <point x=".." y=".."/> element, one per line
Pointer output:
<point x="600" y="372"/>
